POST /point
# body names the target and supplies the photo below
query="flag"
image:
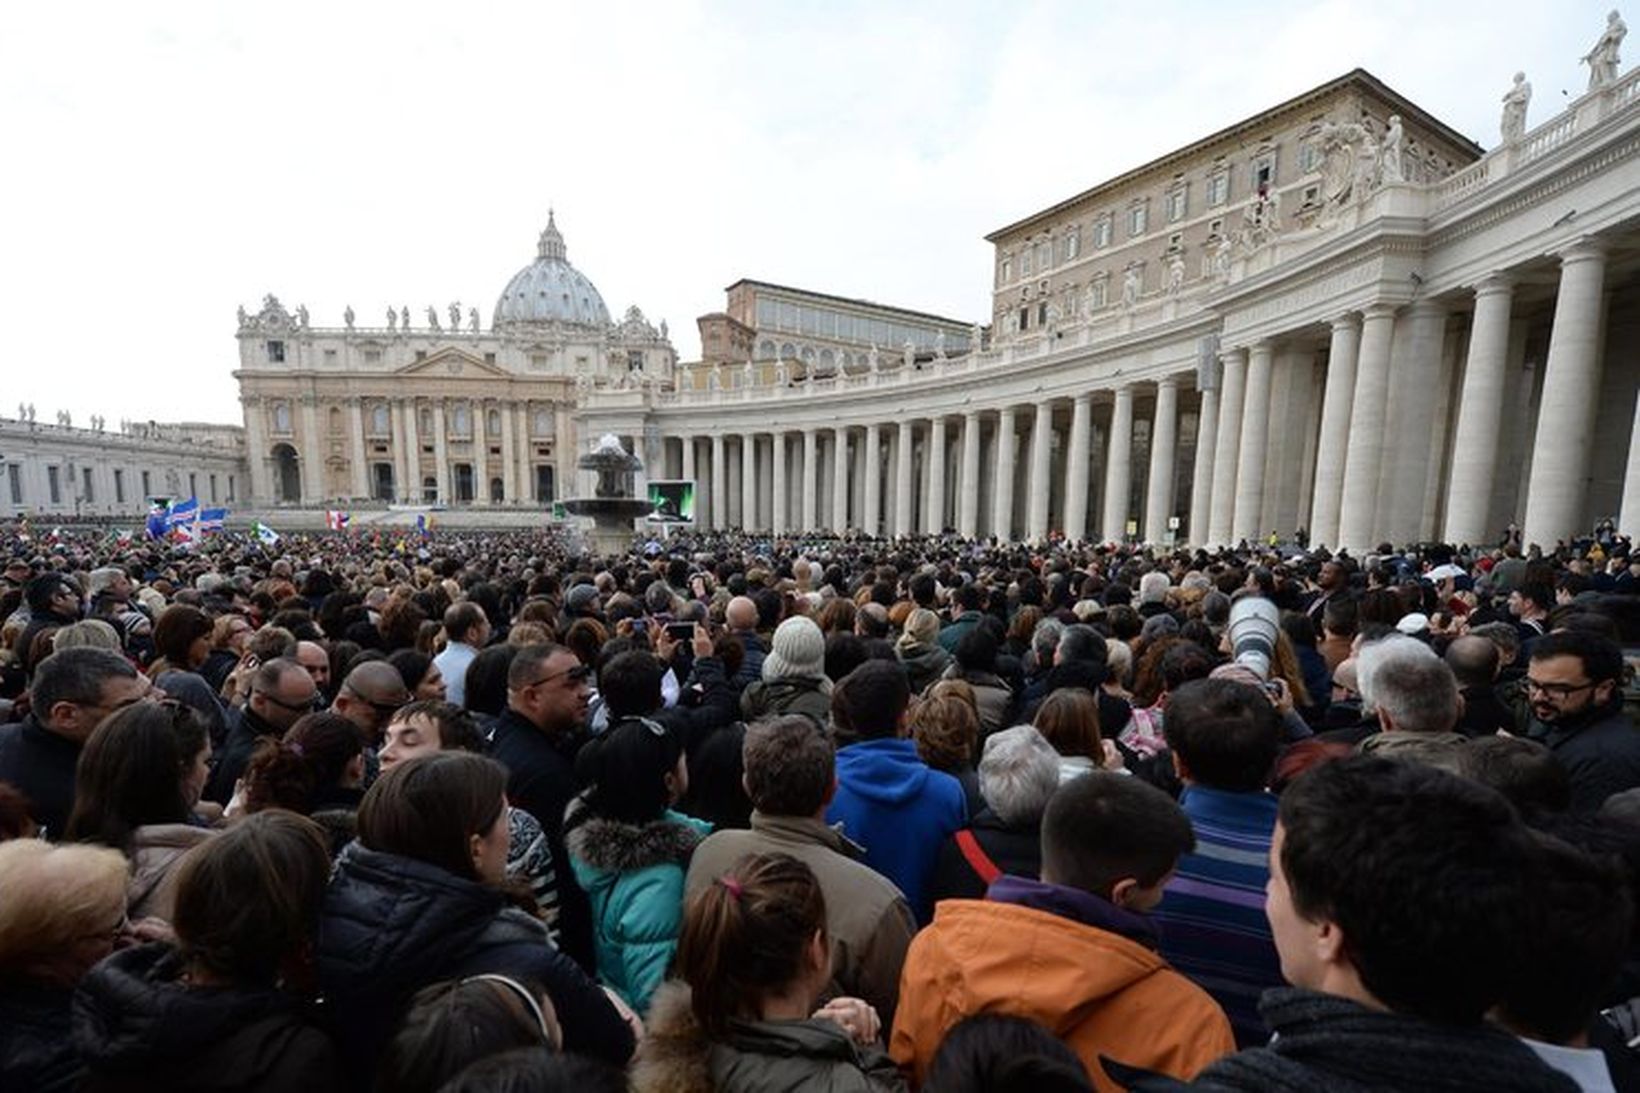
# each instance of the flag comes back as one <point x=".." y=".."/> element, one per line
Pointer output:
<point x="183" y="512"/>
<point x="266" y="535"/>
<point x="336" y="520"/>
<point x="421" y="523"/>
<point x="159" y="517"/>
<point x="212" y="519"/>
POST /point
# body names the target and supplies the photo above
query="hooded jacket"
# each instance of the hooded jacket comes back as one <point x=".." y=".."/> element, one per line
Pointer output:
<point x="923" y="663"/>
<point x="791" y="695"/>
<point x="392" y="925"/>
<point x="891" y="803"/>
<point x="1326" y="1042"/>
<point x="813" y="1056"/>
<point x="1077" y="965"/>
<point x="633" y="878"/>
<point x="138" y="1028"/>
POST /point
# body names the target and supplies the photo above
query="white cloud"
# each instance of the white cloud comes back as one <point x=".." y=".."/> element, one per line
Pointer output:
<point x="169" y="162"/>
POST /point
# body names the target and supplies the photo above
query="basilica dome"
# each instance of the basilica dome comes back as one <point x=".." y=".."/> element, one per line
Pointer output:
<point x="549" y="290"/>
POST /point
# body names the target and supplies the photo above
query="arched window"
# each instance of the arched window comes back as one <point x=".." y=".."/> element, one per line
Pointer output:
<point x="543" y="423"/>
<point x="281" y="418"/>
<point x="378" y="419"/>
<point x="765" y="349"/>
<point x="493" y="422"/>
<point x="462" y="419"/>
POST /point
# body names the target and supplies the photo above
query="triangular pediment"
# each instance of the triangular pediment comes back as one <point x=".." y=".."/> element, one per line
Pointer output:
<point x="451" y="361"/>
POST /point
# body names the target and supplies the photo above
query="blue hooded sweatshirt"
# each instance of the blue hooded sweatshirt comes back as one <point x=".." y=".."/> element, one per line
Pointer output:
<point x="890" y="802"/>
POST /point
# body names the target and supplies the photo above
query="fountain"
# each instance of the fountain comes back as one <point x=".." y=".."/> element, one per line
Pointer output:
<point x="612" y="505"/>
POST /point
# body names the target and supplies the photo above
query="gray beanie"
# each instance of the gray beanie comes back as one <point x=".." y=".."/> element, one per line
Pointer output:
<point x="799" y="651"/>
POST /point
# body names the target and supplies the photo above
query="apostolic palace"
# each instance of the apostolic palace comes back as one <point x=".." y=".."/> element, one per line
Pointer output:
<point x="1339" y="315"/>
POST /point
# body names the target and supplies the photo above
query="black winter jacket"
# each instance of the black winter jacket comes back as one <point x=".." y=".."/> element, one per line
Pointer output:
<point x="392" y="925"/>
<point x="35" y="1050"/>
<point x="138" y="1029"/>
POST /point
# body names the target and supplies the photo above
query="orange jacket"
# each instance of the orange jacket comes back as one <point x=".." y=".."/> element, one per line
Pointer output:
<point x="1099" y="992"/>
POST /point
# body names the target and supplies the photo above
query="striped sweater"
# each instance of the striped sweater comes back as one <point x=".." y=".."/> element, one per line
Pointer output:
<point x="1211" y="917"/>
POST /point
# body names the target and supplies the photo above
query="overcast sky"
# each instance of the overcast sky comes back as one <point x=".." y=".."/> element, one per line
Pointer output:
<point x="168" y="162"/>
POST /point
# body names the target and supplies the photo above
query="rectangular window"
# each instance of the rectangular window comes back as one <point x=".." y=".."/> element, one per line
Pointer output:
<point x="213" y="489"/>
<point x="1044" y="255"/>
<point x="372" y="356"/>
<point x="1175" y="241"/>
<point x="147" y="488"/>
<point x="1042" y="313"/>
<point x="1137" y="219"/>
<point x="1025" y="262"/>
<point x="1218" y="188"/>
<point x="489" y="358"/>
<point x="230" y="487"/>
<point x="634" y="360"/>
<point x="1024" y="319"/>
<point x="88" y="492"/>
<point x="1005" y="272"/>
<point x="330" y="358"/>
<point x="1178" y="203"/>
<point x="119" y="486"/>
<point x="1096" y="294"/>
<point x="538" y="362"/>
<point x="54" y="485"/>
<point x="1102" y="231"/>
<point x="767" y="313"/>
<point x="1073" y="244"/>
<point x="1264" y="170"/>
<point x="1309" y="156"/>
<point x="276" y="352"/>
<point x="808" y="320"/>
<point x="193" y="485"/>
<point x="788" y="316"/>
<point x="14" y="474"/>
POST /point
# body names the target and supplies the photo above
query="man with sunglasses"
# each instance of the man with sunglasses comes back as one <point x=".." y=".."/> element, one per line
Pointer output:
<point x="536" y="738"/>
<point x="281" y="692"/>
<point x="1574" y="688"/>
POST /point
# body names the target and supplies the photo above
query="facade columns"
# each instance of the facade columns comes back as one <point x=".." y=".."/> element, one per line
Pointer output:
<point x="526" y="457"/>
<point x="312" y="461"/>
<point x="412" y="453"/>
<point x="720" y="484"/>
<point x="1255" y="444"/>
<point x="904" y="499"/>
<point x="1480" y="414"/>
<point x="811" y="480"/>
<point x="509" y="456"/>
<point x="1227" y="448"/>
<point x="256" y="444"/>
<point x="871" y="519"/>
<point x="1566" y="414"/>
<point x="934" y="518"/>
<point x="1342" y="352"/>
<point x="1119" y="466"/>
<point x="441" y="452"/>
<point x="361" y="470"/>
<point x="1164" y="440"/>
<point x="778" y="518"/>
<point x="481" y="452"/>
<point x="1076" y="468"/>
<point x="1002" y="516"/>
<point x="688" y="473"/>
<point x="1036" y="508"/>
<point x="748" y="483"/>
<point x="968" y="508"/>
<point x="839" y="482"/>
<point x="1358" y="503"/>
<point x="1628" y="517"/>
<point x="1418" y="378"/>
<point x="1201" y="478"/>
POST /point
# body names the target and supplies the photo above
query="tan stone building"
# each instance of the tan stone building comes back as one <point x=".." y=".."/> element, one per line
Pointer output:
<point x="434" y="409"/>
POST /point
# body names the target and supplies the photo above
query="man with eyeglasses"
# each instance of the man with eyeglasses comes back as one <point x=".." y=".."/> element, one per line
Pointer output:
<point x="281" y="693"/>
<point x="536" y="738"/>
<point x="72" y="691"/>
<point x="1574" y="689"/>
<point x="53" y="601"/>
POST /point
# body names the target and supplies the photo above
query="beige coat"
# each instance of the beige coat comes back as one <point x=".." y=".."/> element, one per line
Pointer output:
<point x="156" y="850"/>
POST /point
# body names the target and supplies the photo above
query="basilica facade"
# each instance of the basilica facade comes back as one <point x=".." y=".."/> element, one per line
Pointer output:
<point x="436" y="408"/>
<point x="1338" y="315"/>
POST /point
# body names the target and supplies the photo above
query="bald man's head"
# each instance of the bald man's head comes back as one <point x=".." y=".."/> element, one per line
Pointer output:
<point x="370" y="695"/>
<point x="1474" y="660"/>
<point x="741" y="614"/>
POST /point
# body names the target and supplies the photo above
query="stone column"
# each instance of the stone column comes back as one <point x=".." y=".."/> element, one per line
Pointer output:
<point x="1076" y="468"/>
<point x="1255" y="440"/>
<point x="1201" y="477"/>
<point x="779" y="518"/>
<point x="1480" y="414"/>
<point x="256" y="453"/>
<point x="312" y="454"/>
<point x="509" y="456"/>
<point x="1119" y="466"/>
<point x="748" y="483"/>
<point x="871" y="521"/>
<point x="526" y="457"/>
<point x="1566" y="409"/>
<point x="1357" y="516"/>
<point x="481" y="452"/>
<point x="412" y="453"/>
<point x="361" y="468"/>
<point x="968" y="509"/>
<point x="1401" y="512"/>
<point x="811" y="480"/>
<point x="1227" y="449"/>
<point x="441" y="452"/>
<point x="934" y="518"/>
<point x="687" y="469"/>
<point x="1002" y="518"/>
<point x="1036" y="507"/>
<point x="904" y="499"/>
<point x="839" y="481"/>
<point x="1164" y="440"/>
<point x="720" y="484"/>
<point x="1335" y="429"/>
<point x="1628" y="517"/>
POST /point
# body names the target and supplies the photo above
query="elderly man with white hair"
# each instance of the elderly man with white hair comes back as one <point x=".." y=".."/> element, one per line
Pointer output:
<point x="1017" y="774"/>
<point x="1414" y="695"/>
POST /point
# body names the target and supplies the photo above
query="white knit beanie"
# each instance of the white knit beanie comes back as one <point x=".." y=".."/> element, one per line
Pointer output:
<point x="799" y="651"/>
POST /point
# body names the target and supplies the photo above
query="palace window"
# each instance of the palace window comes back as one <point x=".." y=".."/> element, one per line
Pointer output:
<point x="538" y="362"/>
<point x="1007" y="273"/>
<point x="281" y="418"/>
<point x="372" y="356"/>
<point x="1025" y="262"/>
<point x="1264" y="170"/>
<point x="493" y="422"/>
<point x="1218" y="188"/>
<point x="54" y="485"/>
<point x="14" y="475"/>
<point x="1073" y="244"/>
<point x="1138" y="218"/>
<point x="543" y="423"/>
<point x="147" y="487"/>
<point x="1309" y="156"/>
<point x="379" y="420"/>
<point x="330" y="358"/>
<point x="87" y="492"/>
<point x="634" y="360"/>
<point x="426" y="420"/>
<point x="276" y="352"/>
<point x="1024" y="319"/>
<point x="461" y="420"/>
<point x="1044" y="255"/>
<point x="1178" y="203"/>
<point x="119" y="486"/>
<point x="1102" y="231"/>
<point x="1096" y="292"/>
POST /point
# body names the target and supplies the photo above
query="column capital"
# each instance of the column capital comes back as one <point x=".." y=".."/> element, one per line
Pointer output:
<point x="1123" y="393"/>
<point x="1378" y="310"/>
<point x="1169" y="380"/>
<point x="1494" y="284"/>
<point x="1084" y="399"/>
<point x="1424" y="306"/>
<point x="1349" y="320"/>
<point x="1237" y="353"/>
<point x="1587" y="248"/>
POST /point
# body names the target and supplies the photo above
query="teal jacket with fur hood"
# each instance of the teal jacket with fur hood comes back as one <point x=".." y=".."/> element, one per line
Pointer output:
<point x="633" y="877"/>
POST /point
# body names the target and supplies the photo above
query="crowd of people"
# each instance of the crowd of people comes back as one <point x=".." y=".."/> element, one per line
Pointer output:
<point x="481" y="812"/>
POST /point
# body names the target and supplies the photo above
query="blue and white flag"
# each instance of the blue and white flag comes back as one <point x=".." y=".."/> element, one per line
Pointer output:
<point x="212" y="519"/>
<point x="183" y="512"/>
<point x="159" y="520"/>
<point x="265" y="534"/>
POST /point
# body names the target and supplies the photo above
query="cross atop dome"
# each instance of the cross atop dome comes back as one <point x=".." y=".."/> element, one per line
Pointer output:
<point x="551" y="244"/>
